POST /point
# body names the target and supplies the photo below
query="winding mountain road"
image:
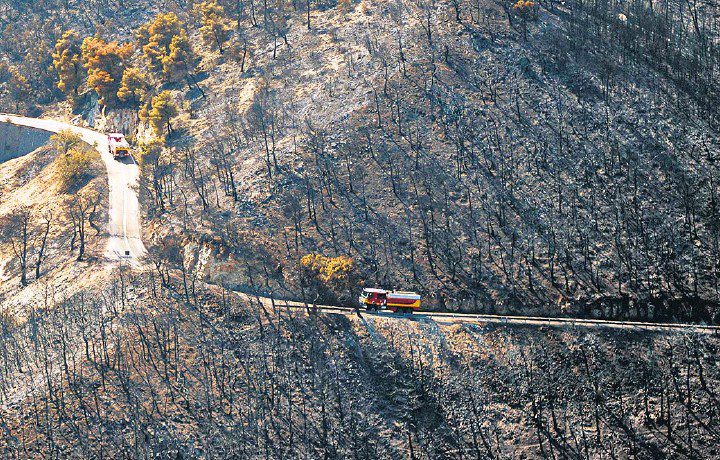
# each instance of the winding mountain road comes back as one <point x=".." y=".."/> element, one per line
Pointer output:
<point x="125" y="233"/>
<point x="125" y="244"/>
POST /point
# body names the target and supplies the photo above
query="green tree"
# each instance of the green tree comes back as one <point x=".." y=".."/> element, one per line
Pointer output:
<point x="150" y="152"/>
<point x="179" y="64"/>
<point x="65" y="140"/>
<point x="215" y="27"/>
<point x="19" y="85"/>
<point x="162" y="111"/>
<point x="134" y="86"/>
<point x="105" y="64"/>
<point x="68" y="62"/>
<point x="74" y="167"/>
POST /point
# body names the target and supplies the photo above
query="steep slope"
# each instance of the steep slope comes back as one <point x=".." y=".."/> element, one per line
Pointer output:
<point x="135" y="373"/>
<point x="28" y="32"/>
<point x="492" y="158"/>
<point x="552" y="157"/>
<point x="38" y="227"/>
<point x="527" y="157"/>
<point x="16" y="142"/>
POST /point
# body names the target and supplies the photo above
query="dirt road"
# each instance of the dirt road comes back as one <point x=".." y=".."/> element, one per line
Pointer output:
<point x="124" y="242"/>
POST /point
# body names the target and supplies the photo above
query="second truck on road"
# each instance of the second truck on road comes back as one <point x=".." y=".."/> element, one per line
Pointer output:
<point x="119" y="146"/>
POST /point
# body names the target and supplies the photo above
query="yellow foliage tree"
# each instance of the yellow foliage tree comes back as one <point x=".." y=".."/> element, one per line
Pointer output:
<point x="150" y="152"/>
<point x="215" y="27"/>
<point x="155" y="37"/>
<point x="65" y="140"/>
<point x="18" y="85"/>
<point x="74" y="166"/>
<point x="105" y="64"/>
<point x="334" y="278"/>
<point x="134" y="87"/>
<point x="345" y="5"/>
<point x="179" y="63"/>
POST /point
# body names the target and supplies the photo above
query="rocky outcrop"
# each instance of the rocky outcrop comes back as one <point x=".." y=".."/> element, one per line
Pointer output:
<point x="101" y="119"/>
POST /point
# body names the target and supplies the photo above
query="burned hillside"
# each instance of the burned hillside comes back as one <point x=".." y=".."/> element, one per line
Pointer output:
<point x="525" y="157"/>
<point x="139" y="373"/>
<point x="550" y="159"/>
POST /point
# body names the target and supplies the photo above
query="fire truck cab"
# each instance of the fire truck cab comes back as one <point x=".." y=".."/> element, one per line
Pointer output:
<point x="373" y="299"/>
<point x="118" y="145"/>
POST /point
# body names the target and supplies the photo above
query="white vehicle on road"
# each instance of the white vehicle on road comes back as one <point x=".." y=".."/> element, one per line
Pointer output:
<point x="118" y="145"/>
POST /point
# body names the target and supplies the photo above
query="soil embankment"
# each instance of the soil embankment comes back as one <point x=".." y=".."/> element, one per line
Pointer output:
<point x="17" y="141"/>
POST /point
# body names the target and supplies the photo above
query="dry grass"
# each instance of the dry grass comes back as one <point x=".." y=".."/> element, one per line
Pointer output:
<point x="31" y="181"/>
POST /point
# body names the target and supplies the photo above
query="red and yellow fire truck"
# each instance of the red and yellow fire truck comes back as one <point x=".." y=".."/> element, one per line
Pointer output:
<point x="396" y="301"/>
